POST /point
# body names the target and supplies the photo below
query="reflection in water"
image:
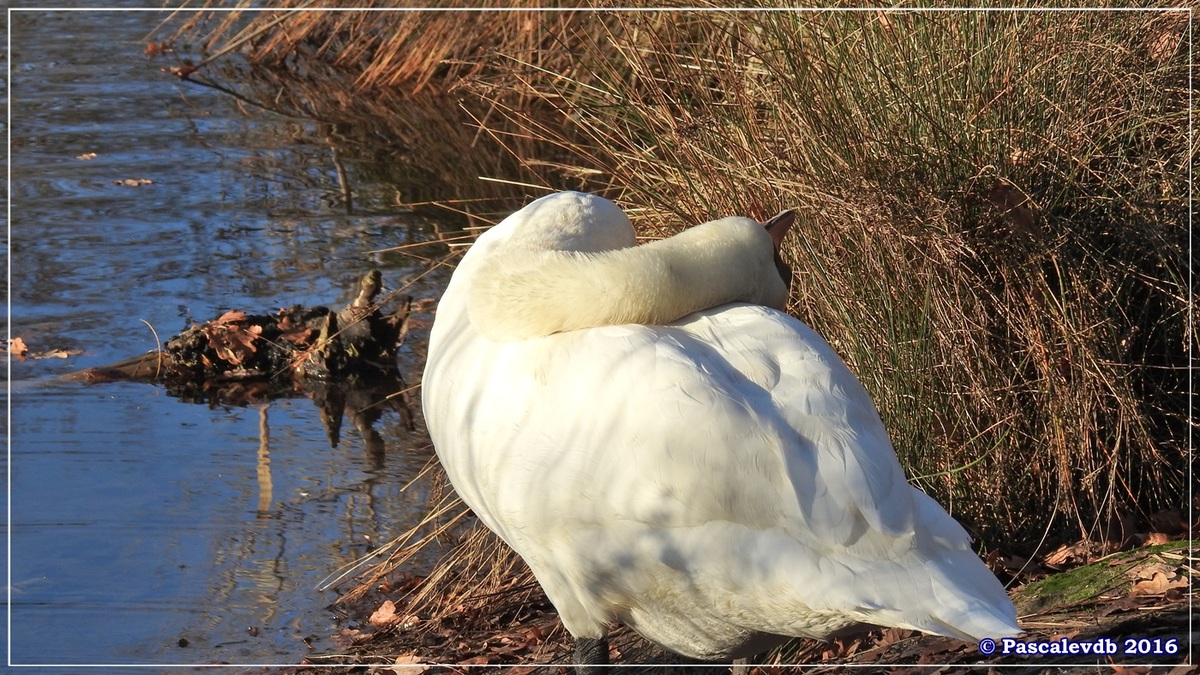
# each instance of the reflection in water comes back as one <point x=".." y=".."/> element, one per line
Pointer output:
<point x="263" y="468"/>
<point x="147" y="530"/>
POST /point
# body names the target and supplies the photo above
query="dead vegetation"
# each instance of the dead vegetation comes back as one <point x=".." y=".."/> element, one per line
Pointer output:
<point x="239" y="358"/>
<point x="481" y="606"/>
<point x="994" y="219"/>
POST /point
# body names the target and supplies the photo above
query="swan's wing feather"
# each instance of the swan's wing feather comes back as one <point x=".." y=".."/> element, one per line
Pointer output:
<point x="740" y="414"/>
<point x="884" y="551"/>
<point x="689" y="442"/>
<point x="840" y="461"/>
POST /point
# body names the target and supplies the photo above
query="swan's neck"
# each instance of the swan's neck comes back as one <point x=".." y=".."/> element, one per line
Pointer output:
<point x="519" y="294"/>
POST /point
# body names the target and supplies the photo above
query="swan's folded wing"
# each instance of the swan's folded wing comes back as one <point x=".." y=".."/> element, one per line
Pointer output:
<point x="741" y="414"/>
<point x="840" y="462"/>
<point x="883" y="552"/>
<point x="643" y="424"/>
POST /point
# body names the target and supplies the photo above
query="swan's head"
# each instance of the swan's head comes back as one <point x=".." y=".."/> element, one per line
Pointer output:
<point x="744" y="255"/>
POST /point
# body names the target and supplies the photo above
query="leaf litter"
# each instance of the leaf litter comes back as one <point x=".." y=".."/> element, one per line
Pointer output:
<point x="1148" y="597"/>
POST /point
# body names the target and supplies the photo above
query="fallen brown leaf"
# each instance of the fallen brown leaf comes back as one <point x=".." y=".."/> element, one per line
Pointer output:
<point x="894" y="635"/>
<point x="386" y="614"/>
<point x="1158" y="583"/>
<point x="1164" y="579"/>
<point x="17" y="348"/>
<point x="348" y="637"/>
<point x="298" y="336"/>
<point x="154" y="49"/>
<point x="410" y="664"/>
<point x="133" y="182"/>
<point x="1166" y="41"/>
<point x="86" y="156"/>
<point x="400" y="584"/>
<point x="231" y="316"/>
<point x="232" y="342"/>
<point x="1079" y="553"/>
<point x="57" y="354"/>
<point x="423" y="304"/>
<point x="180" y="71"/>
<point x="1155" y="539"/>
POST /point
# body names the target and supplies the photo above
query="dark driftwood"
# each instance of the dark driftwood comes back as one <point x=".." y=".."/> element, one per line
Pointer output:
<point x="240" y="358"/>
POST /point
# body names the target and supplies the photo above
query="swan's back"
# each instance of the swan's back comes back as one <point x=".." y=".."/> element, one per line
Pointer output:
<point x="715" y="483"/>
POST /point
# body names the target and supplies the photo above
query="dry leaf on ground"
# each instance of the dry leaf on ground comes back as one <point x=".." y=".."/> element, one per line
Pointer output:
<point x="1156" y="539"/>
<point x="386" y="614"/>
<point x="409" y="664"/>
<point x="1156" y="578"/>
<point x="1068" y="555"/>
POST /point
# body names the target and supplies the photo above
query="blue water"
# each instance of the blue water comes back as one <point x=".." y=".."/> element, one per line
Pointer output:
<point x="143" y="530"/>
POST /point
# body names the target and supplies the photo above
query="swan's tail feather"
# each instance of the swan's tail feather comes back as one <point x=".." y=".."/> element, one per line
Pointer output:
<point x="969" y="602"/>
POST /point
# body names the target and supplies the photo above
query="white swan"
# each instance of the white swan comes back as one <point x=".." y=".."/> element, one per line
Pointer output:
<point x="718" y="480"/>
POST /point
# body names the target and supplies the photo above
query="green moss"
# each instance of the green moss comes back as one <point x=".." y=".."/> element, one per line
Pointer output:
<point x="1088" y="581"/>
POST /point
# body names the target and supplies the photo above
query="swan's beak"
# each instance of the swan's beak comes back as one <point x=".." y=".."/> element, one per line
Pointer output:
<point x="777" y="227"/>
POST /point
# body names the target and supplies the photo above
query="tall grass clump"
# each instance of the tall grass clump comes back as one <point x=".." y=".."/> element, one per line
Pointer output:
<point x="994" y="205"/>
<point x="994" y="232"/>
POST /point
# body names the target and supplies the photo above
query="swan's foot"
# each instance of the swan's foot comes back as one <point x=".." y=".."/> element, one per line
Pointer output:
<point x="590" y="653"/>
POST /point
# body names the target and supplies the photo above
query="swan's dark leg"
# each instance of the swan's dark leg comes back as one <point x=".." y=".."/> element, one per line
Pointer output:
<point x="589" y="653"/>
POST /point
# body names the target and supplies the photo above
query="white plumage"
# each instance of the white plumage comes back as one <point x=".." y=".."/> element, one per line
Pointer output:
<point x="716" y="481"/>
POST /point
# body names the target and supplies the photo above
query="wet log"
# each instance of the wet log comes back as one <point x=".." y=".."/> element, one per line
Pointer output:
<point x="256" y="356"/>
